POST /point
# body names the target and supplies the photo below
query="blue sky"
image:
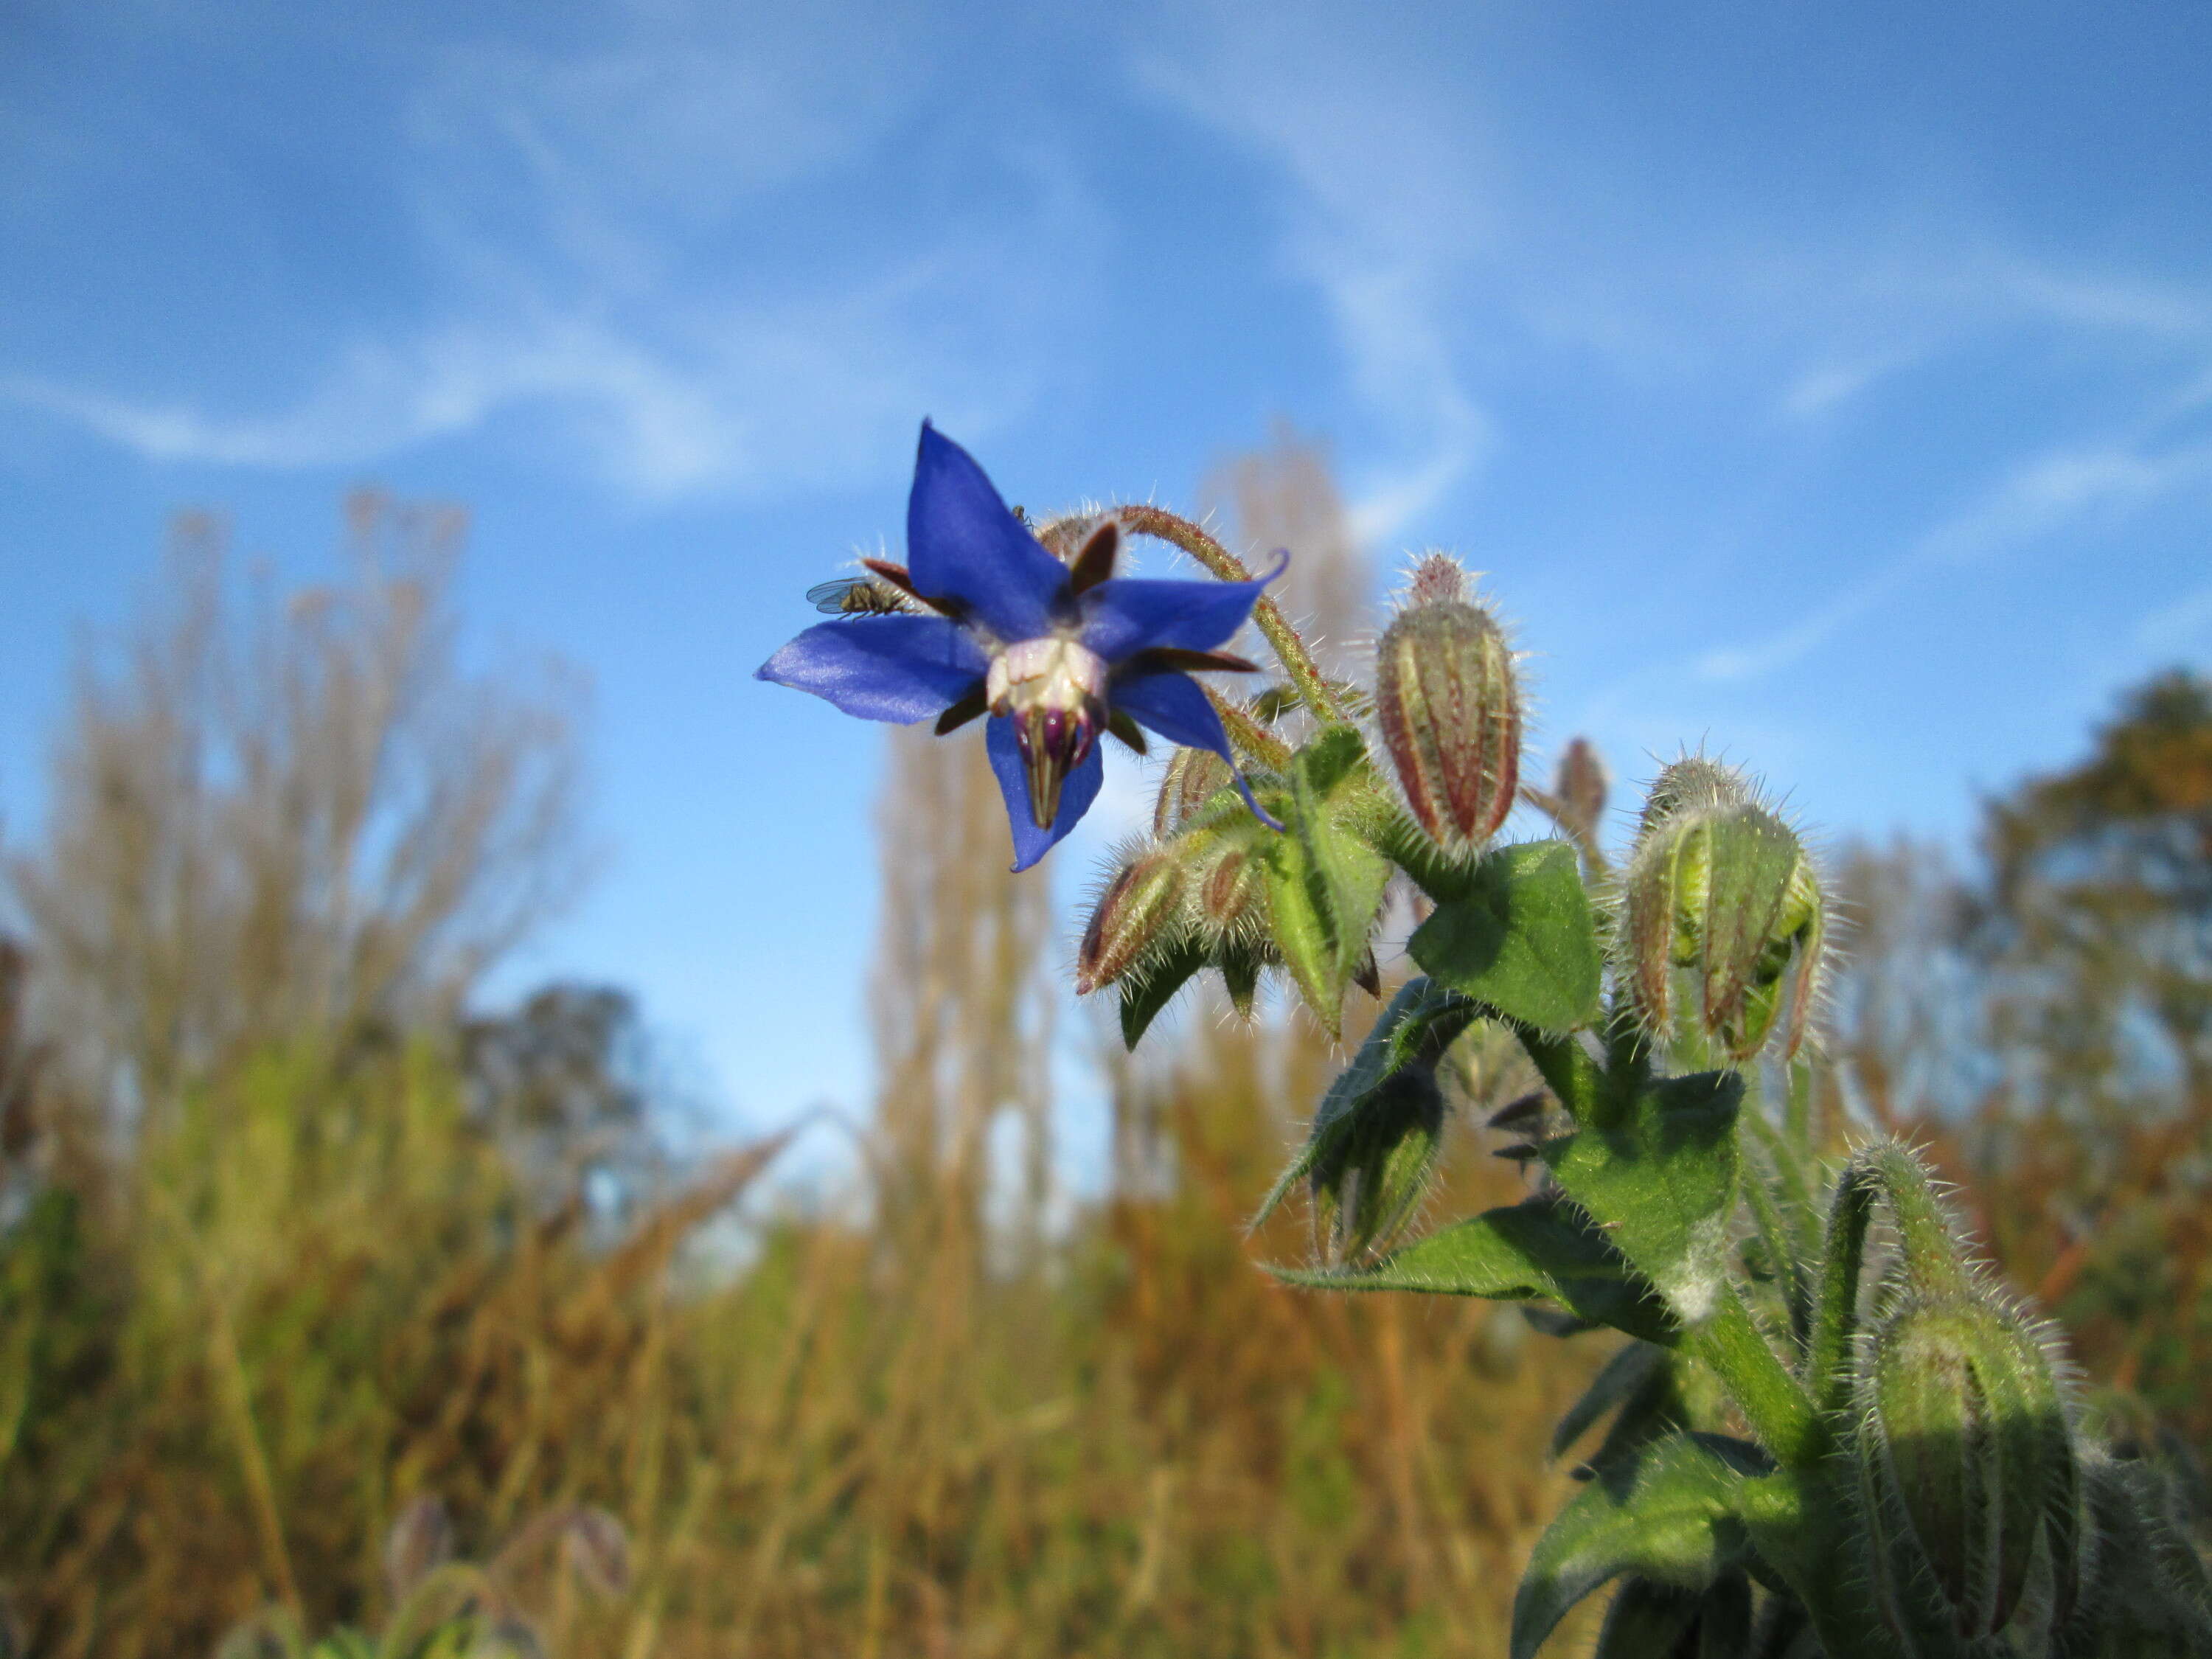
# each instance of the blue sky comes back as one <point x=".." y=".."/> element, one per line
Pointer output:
<point x="1831" y="384"/>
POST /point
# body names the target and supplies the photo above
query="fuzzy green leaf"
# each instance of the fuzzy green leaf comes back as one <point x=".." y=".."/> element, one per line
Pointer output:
<point x="1665" y="1176"/>
<point x="1670" y="1518"/>
<point x="1520" y="937"/>
<point x="1536" y="1249"/>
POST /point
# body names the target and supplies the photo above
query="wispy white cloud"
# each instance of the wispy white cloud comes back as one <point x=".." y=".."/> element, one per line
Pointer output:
<point x="616" y="239"/>
<point x="1388" y="198"/>
<point x="1821" y="390"/>
<point x="2066" y="489"/>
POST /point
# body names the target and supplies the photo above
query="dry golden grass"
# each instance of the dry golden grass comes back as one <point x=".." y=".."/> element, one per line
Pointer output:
<point x="323" y="1295"/>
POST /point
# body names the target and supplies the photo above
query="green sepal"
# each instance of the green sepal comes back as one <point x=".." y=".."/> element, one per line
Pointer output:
<point x="1537" y="1249"/>
<point x="1672" y="1517"/>
<point x="1519" y="935"/>
<point x="1149" y="987"/>
<point x="1325" y="884"/>
<point x="1240" y="965"/>
<point x="1664" y="1177"/>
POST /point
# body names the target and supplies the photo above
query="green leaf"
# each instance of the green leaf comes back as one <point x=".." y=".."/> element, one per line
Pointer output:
<point x="1148" y="989"/>
<point x="1536" y="1249"/>
<point x="1520" y="937"/>
<point x="1665" y="1178"/>
<point x="1623" y="1376"/>
<point x="1671" y="1518"/>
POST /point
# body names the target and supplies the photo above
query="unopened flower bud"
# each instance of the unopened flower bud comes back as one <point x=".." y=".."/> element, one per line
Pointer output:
<point x="1372" y="1149"/>
<point x="1967" y="1454"/>
<point x="1140" y="904"/>
<point x="1722" y="896"/>
<point x="1581" y="785"/>
<point x="1689" y="783"/>
<point x="1438" y="579"/>
<point x="1194" y="777"/>
<point x="1230" y="889"/>
<point x="1450" y="709"/>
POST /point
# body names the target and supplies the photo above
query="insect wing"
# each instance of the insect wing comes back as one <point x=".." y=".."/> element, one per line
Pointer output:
<point x="836" y="598"/>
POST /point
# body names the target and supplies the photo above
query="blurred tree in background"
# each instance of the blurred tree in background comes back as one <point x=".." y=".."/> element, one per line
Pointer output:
<point x="299" y="1245"/>
<point x="2045" y="1021"/>
<point x="305" y="823"/>
<point x="2097" y="915"/>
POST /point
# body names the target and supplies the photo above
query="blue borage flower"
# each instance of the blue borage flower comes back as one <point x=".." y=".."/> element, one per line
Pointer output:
<point x="1054" y="653"/>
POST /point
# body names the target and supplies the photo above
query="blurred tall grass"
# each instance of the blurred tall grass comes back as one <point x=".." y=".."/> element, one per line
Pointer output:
<point x="295" y="1237"/>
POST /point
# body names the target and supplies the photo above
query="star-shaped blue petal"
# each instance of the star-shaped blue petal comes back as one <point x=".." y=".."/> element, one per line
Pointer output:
<point x="993" y="588"/>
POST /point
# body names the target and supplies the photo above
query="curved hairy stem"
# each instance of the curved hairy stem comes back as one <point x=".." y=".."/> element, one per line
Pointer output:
<point x="1835" y="1320"/>
<point x="1297" y="661"/>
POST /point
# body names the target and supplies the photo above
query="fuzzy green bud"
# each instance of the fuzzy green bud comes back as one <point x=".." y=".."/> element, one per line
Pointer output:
<point x="1968" y="1462"/>
<point x="1723" y="926"/>
<point x="1137" y="910"/>
<point x="1690" y="783"/>
<point x="1449" y="709"/>
<point x="1372" y="1149"/>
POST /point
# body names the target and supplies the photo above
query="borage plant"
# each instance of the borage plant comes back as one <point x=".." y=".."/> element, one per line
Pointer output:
<point x="1830" y="1433"/>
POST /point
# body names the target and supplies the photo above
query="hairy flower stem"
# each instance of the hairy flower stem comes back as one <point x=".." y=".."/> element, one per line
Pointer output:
<point x="1773" y="1401"/>
<point x="1297" y="661"/>
<point x="1827" y="1362"/>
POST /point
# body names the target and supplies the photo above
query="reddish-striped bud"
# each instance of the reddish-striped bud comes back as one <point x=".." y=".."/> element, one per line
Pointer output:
<point x="1230" y="889"/>
<point x="1449" y="709"/>
<point x="1138" y="907"/>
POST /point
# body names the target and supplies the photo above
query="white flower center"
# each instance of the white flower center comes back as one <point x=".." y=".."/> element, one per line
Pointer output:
<point x="1049" y="672"/>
